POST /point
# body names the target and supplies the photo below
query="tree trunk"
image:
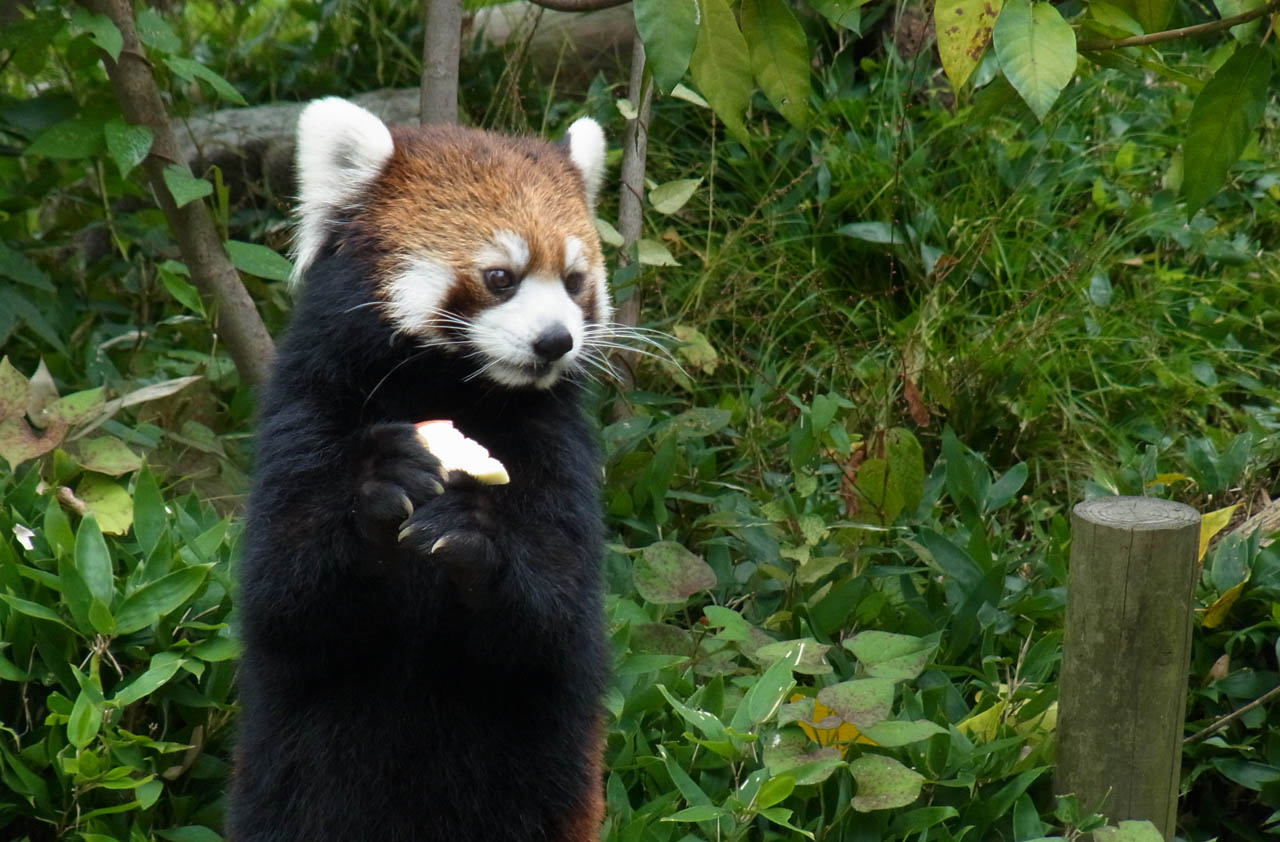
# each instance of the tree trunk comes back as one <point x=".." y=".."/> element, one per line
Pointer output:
<point x="441" y="46"/>
<point x="236" y="318"/>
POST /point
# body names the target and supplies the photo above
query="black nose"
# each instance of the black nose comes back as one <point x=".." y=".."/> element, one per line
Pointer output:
<point x="553" y="344"/>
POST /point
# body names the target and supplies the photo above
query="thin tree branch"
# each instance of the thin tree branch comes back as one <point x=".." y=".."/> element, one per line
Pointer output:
<point x="1219" y="724"/>
<point x="199" y="242"/>
<point x="1175" y="34"/>
<point x="635" y="145"/>
<point x="441" y="47"/>
<point x="578" y="5"/>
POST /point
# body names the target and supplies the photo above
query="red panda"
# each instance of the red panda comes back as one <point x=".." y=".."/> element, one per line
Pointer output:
<point x="424" y="655"/>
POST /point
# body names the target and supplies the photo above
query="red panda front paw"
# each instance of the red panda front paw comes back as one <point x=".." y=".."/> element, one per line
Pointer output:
<point x="396" y="476"/>
<point x="454" y="531"/>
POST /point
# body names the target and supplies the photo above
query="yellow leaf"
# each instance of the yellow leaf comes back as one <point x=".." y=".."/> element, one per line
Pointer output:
<point x="1211" y="524"/>
<point x="1169" y="479"/>
<point x="983" y="726"/>
<point x="1216" y="613"/>
<point x="842" y="735"/>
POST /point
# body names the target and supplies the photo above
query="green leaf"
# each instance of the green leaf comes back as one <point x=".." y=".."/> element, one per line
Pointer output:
<point x="813" y="657"/>
<point x="1129" y="831"/>
<point x="189" y="70"/>
<point x="654" y="253"/>
<point x="843" y="13"/>
<point x="1223" y="118"/>
<point x="700" y="813"/>
<point x="109" y="503"/>
<point x="964" y="33"/>
<point x="152" y="601"/>
<point x="149" y="518"/>
<point x="893" y="732"/>
<point x="13" y="391"/>
<point x="215" y="649"/>
<point x="164" y="665"/>
<point x="155" y="32"/>
<point x="171" y="274"/>
<point x="774" y="790"/>
<point x="883" y="783"/>
<point x="33" y="609"/>
<point x="762" y="701"/>
<point x="1152" y="14"/>
<point x="78" y="407"/>
<point x="669" y="31"/>
<point x="68" y="139"/>
<point x="888" y="655"/>
<point x="789" y="751"/>
<point x="85" y="721"/>
<point x="101" y="29"/>
<point x="1037" y="50"/>
<point x="106" y="455"/>
<point x="1245" y="32"/>
<point x="862" y="701"/>
<point x="15" y="265"/>
<point x="779" y="57"/>
<point x="668" y="574"/>
<point x="906" y="465"/>
<point x="93" y="561"/>
<point x="127" y="145"/>
<point x="183" y="186"/>
<point x="258" y="260"/>
<point x="189" y="833"/>
<point x="721" y="66"/>
<point x="608" y="234"/>
<point x="672" y="196"/>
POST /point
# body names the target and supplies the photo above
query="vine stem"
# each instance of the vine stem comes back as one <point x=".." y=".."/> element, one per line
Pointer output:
<point x="1218" y="724"/>
<point x="1175" y="34"/>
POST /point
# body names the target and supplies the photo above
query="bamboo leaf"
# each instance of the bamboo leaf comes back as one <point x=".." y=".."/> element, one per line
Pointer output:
<point x="1037" y="50"/>
<point x="1223" y="118"/>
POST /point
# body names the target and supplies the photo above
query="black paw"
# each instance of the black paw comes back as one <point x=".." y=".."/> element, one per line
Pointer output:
<point x="397" y="476"/>
<point x="454" y="531"/>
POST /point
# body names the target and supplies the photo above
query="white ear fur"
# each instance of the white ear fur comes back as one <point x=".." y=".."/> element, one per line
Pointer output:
<point x="586" y="149"/>
<point x="341" y="148"/>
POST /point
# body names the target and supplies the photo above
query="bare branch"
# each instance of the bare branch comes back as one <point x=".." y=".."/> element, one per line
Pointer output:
<point x="441" y="47"/>
<point x="237" y="320"/>
<point x="579" y="5"/>
<point x="635" y="145"/>
<point x="1175" y="34"/>
<point x="1218" y="724"/>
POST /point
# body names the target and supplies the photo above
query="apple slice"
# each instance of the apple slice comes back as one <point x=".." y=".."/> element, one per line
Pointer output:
<point x="456" y="452"/>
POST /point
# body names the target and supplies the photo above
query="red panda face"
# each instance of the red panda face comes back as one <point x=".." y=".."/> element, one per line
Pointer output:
<point x="484" y="245"/>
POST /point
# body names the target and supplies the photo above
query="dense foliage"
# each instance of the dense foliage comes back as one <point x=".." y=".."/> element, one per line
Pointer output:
<point x="911" y="330"/>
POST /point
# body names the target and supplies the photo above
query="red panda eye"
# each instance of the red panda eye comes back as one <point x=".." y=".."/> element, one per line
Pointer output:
<point x="573" y="282"/>
<point x="499" y="280"/>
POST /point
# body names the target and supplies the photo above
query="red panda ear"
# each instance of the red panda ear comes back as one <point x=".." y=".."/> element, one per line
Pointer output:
<point x="585" y="140"/>
<point x="341" y="149"/>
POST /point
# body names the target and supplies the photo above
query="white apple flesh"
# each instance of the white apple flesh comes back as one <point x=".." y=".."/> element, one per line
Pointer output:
<point x="456" y="452"/>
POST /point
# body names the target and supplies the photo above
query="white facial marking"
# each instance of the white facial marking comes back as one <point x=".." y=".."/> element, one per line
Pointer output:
<point x="505" y="334"/>
<point x="575" y="255"/>
<point x="586" y="150"/>
<point x="507" y="250"/>
<point x="416" y="293"/>
<point x="341" y="148"/>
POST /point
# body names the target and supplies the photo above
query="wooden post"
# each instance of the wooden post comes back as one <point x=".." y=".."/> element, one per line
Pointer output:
<point x="1122" y="702"/>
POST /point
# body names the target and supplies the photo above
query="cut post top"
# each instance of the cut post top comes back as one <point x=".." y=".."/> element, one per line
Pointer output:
<point x="1137" y="513"/>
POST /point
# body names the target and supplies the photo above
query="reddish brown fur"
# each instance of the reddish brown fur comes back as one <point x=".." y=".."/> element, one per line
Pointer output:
<point x="446" y="190"/>
<point x="584" y="824"/>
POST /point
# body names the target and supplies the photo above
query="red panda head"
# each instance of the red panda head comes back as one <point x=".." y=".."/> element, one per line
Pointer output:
<point x="483" y="244"/>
